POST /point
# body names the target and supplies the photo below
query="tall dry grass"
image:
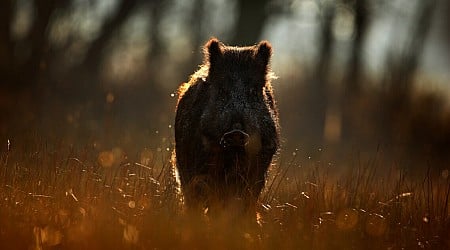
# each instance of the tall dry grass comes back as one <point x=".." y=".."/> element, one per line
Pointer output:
<point x="53" y="196"/>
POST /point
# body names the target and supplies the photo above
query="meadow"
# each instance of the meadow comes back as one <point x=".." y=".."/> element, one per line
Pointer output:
<point x="88" y="90"/>
<point x="57" y="196"/>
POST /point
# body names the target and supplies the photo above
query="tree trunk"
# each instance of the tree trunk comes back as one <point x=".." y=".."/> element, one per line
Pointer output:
<point x="252" y="15"/>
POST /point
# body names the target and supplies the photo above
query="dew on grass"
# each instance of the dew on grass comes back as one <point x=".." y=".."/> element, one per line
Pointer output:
<point x="304" y="194"/>
<point x="407" y="194"/>
<point x="326" y="217"/>
<point x="266" y="207"/>
<point x="70" y="192"/>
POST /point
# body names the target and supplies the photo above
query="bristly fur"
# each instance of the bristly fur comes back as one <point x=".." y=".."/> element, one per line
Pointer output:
<point x="231" y="91"/>
<point x="202" y="72"/>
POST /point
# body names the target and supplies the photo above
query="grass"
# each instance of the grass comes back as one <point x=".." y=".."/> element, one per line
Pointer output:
<point x="59" y="197"/>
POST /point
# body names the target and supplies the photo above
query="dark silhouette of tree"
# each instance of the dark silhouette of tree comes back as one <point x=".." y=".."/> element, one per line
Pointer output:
<point x="27" y="73"/>
<point x="197" y="21"/>
<point x="352" y="84"/>
<point x="94" y="54"/>
<point x="39" y="39"/>
<point x="317" y="100"/>
<point x="399" y="77"/>
<point x="403" y="67"/>
<point x="6" y="43"/>
<point x="251" y="18"/>
<point x="353" y="76"/>
<point x="157" y="9"/>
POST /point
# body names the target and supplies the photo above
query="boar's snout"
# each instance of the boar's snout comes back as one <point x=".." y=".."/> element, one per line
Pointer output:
<point x="234" y="138"/>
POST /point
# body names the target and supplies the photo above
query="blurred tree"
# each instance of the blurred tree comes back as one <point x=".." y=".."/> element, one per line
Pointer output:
<point x="399" y="78"/>
<point x="6" y="42"/>
<point x="251" y="18"/>
<point x="39" y="42"/>
<point x="157" y="10"/>
<point x="361" y="13"/>
<point x="197" y="20"/>
<point x="317" y="87"/>
<point x="26" y="73"/>
<point x="402" y="67"/>
<point x="353" y="76"/>
<point x="94" y="54"/>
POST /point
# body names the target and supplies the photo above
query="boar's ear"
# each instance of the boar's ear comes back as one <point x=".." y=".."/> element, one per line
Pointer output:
<point x="263" y="53"/>
<point x="213" y="51"/>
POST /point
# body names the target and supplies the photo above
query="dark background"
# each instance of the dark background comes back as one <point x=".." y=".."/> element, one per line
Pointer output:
<point x="355" y="77"/>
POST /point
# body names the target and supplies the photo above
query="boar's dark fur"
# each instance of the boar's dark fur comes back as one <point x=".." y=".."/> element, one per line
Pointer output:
<point x="226" y="127"/>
